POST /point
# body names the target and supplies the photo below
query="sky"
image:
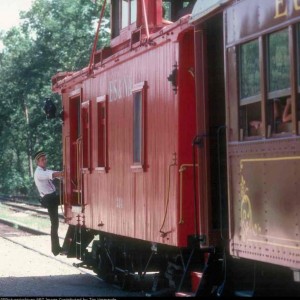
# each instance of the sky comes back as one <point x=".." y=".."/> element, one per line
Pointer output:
<point x="9" y="12"/>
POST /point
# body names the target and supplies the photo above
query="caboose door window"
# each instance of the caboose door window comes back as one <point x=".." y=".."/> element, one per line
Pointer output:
<point x="74" y="148"/>
<point x="75" y="129"/>
<point x="138" y="124"/>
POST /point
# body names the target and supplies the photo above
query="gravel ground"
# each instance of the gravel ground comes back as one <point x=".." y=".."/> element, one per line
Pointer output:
<point x="37" y="273"/>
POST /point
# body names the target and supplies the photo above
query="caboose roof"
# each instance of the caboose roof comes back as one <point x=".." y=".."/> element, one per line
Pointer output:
<point x="145" y="32"/>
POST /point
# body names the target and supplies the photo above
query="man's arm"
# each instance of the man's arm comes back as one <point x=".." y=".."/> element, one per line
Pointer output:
<point x="287" y="115"/>
<point x="58" y="174"/>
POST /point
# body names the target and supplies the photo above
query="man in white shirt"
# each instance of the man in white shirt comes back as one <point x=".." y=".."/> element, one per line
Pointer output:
<point x="49" y="199"/>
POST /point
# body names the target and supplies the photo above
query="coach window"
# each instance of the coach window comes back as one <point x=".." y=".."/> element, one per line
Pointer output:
<point x="124" y="13"/>
<point x="279" y="88"/>
<point x="102" y="134"/>
<point x="250" y="95"/>
<point x="85" y="119"/>
<point x="138" y="94"/>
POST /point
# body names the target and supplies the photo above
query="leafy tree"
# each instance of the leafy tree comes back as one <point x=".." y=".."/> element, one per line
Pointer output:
<point x="54" y="36"/>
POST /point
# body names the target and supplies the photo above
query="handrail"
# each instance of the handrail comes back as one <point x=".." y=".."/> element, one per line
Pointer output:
<point x="61" y="198"/>
<point x="167" y="199"/>
<point x="78" y="173"/>
<point x="96" y="39"/>
<point x="63" y="191"/>
<point x="65" y="197"/>
<point x="146" y="19"/>
<point x="182" y="168"/>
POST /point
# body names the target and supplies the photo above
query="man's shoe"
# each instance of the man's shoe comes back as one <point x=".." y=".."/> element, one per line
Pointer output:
<point x="63" y="252"/>
<point x="57" y="251"/>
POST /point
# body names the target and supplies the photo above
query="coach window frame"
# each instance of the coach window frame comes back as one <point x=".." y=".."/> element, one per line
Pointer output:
<point x="268" y="94"/>
<point x="250" y="102"/>
<point x="277" y="95"/>
<point x="138" y="126"/>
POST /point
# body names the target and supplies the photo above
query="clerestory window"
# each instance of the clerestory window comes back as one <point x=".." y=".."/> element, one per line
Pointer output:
<point x="124" y="13"/>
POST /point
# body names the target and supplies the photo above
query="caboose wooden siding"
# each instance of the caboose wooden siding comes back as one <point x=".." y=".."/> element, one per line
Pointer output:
<point x="121" y="198"/>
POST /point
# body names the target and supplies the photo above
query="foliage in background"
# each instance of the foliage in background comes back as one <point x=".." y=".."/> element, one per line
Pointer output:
<point x="54" y="36"/>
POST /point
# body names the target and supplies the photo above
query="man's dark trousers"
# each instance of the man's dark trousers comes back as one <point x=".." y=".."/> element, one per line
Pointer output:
<point x="51" y="202"/>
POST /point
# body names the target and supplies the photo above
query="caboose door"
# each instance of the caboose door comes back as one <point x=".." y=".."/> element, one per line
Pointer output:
<point x="210" y="91"/>
<point x="74" y="150"/>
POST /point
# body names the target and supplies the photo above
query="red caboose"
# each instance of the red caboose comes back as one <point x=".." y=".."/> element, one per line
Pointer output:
<point x="129" y="127"/>
<point x="174" y="147"/>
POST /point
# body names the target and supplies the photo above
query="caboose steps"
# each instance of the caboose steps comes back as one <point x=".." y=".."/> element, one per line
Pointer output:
<point x="184" y="294"/>
<point x="166" y="292"/>
<point x="195" y="282"/>
<point x="244" y="294"/>
<point x="206" y="279"/>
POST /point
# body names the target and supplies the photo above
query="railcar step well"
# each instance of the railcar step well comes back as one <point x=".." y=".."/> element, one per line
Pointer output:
<point x="204" y="282"/>
<point x="195" y="279"/>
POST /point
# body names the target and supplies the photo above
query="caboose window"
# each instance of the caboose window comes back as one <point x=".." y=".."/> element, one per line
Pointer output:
<point x="250" y="95"/>
<point x="102" y="133"/>
<point x="137" y="127"/>
<point x="124" y="13"/>
<point x="128" y="12"/>
<point x="133" y="11"/>
<point x="138" y="93"/>
<point x="175" y="9"/>
<point x="278" y="64"/>
<point x="85" y="119"/>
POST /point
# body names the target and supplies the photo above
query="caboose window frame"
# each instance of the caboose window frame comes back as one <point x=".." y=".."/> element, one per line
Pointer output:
<point x="102" y="134"/>
<point x="138" y="126"/>
<point x="86" y="136"/>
